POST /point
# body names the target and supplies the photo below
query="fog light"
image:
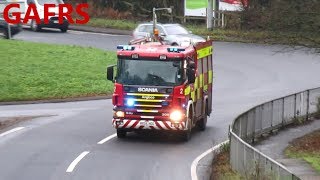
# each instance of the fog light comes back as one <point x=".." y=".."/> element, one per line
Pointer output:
<point x="120" y="114"/>
<point x="176" y="116"/>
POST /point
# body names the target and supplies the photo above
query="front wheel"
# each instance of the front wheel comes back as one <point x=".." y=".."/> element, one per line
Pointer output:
<point x="121" y="133"/>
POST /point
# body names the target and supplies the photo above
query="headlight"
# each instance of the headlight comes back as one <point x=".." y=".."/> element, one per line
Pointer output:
<point x="119" y="114"/>
<point x="176" y="116"/>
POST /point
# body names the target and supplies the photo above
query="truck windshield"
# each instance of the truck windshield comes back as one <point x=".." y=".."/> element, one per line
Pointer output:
<point x="56" y="2"/>
<point x="149" y="72"/>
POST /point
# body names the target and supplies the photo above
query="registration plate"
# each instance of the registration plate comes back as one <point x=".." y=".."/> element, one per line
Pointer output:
<point x="147" y="123"/>
<point x="56" y="21"/>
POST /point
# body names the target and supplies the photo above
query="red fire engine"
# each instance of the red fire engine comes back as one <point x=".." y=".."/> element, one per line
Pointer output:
<point x="162" y="87"/>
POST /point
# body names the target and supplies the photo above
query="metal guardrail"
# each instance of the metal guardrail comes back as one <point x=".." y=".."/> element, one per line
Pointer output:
<point x="266" y="118"/>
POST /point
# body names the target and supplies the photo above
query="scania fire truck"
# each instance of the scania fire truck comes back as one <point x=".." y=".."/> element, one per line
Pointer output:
<point x="162" y="87"/>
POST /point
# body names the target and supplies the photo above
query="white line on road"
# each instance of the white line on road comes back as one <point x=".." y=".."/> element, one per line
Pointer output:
<point x="11" y="131"/>
<point x="196" y="161"/>
<point x="107" y="138"/>
<point x="76" y="161"/>
<point x="94" y="33"/>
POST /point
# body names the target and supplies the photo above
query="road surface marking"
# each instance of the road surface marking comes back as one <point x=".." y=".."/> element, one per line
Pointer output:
<point x="11" y="131"/>
<point x="94" y="33"/>
<point x="196" y="161"/>
<point x="76" y="161"/>
<point x="107" y="138"/>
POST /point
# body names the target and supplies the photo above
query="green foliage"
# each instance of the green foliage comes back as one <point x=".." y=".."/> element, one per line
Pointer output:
<point x="284" y="15"/>
<point x="111" y="23"/>
<point x="32" y="71"/>
<point x="312" y="158"/>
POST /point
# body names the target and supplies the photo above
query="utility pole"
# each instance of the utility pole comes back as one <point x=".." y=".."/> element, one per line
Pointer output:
<point x="155" y="19"/>
<point x="210" y="15"/>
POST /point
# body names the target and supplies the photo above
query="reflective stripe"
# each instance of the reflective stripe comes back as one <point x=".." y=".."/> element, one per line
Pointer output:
<point x="187" y="91"/>
<point x="193" y="97"/>
<point x="148" y="100"/>
<point x="142" y="110"/>
<point x="201" y="80"/>
<point x="205" y="87"/>
<point x="146" y="105"/>
<point x="196" y="83"/>
<point x="204" y="52"/>
<point x="147" y="117"/>
<point x="210" y="76"/>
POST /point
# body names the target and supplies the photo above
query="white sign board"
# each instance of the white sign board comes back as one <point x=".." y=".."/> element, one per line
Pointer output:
<point x="199" y="7"/>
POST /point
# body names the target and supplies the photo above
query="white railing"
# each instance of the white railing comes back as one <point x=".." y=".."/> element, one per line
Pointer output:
<point x="264" y="119"/>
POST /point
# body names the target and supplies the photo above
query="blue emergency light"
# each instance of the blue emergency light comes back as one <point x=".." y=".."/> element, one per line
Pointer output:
<point x="125" y="47"/>
<point x="174" y="49"/>
<point x="130" y="102"/>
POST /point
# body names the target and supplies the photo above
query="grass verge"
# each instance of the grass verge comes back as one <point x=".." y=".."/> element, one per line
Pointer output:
<point x="33" y="71"/>
<point x="221" y="168"/>
<point x="224" y="34"/>
<point x="306" y="148"/>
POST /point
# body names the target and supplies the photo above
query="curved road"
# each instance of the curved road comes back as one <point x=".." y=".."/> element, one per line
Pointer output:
<point x="246" y="75"/>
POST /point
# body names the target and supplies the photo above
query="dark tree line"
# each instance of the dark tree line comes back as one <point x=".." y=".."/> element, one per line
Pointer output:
<point x="137" y="8"/>
<point x="276" y="15"/>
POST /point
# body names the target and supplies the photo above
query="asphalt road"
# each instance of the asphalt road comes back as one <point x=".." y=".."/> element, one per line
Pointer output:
<point x="245" y="75"/>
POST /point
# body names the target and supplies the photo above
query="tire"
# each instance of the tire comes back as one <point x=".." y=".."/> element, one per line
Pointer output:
<point x="121" y="133"/>
<point x="186" y="135"/>
<point x="202" y="124"/>
<point x="64" y="29"/>
<point x="35" y="27"/>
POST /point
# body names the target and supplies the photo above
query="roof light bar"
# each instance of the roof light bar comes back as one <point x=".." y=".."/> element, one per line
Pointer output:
<point x="125" y="47"/>
<point x="174" y="49"/>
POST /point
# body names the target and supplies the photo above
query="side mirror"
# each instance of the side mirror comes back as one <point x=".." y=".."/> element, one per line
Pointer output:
<point x="110" y="73"/>
<point x="191" y="65"/>
<point x="162" y="34"/>
<point x="191" y="75"/>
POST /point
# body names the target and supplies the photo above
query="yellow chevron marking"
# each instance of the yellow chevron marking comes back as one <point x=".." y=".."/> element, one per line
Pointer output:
<point x="187" y="91"/>
<point x="210" y="76"/>
<point x="201" y="80"/>
<point x="204" y="52"/>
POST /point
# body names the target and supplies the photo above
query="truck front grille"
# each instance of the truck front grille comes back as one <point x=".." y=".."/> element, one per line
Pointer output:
<point x="148" y="106"/>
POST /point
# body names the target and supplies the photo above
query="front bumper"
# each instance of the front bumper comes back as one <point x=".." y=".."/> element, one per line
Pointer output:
<point x="148" y="125"/>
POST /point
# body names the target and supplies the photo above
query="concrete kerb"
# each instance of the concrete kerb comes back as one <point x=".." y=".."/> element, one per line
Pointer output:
<point x="215" y="150"/>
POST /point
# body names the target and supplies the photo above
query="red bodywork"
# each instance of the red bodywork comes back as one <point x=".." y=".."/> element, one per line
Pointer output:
<point x="154" y="115"/>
